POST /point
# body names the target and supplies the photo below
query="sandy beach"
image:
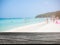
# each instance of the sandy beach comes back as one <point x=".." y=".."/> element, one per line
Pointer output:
<point x="39" y="27"/>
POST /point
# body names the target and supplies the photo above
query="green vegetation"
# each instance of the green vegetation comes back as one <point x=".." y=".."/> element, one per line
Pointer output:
<point x="49" y="14"/>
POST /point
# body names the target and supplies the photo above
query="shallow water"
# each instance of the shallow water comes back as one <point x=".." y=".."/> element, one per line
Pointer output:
<point x="9" y="23"/>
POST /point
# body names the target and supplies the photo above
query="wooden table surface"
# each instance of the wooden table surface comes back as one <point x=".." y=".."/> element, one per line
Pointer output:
<point x="29" y="38"/>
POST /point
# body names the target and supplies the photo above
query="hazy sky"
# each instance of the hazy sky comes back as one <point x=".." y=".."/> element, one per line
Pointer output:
<point x="27" y="8"/>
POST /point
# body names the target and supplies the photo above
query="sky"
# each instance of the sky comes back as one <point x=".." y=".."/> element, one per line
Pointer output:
<point x="27" y="8"/>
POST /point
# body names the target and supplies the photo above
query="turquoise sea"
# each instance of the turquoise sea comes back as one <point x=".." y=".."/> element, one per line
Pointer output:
<point x="10" y="23"/>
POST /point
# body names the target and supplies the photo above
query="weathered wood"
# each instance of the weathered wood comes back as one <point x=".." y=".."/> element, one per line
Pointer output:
<point x="29" y="38"/>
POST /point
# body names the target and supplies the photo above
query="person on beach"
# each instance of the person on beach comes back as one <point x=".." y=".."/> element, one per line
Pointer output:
<point x="47" y="20"/>
<point x="57" y="20"/>
<point x="52" y="19"/>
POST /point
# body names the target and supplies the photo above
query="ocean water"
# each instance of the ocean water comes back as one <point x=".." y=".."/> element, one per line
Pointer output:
<point x="10" y="23"/>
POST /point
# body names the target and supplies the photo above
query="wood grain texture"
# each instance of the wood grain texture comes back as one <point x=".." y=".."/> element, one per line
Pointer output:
<point x="29" y="38"/>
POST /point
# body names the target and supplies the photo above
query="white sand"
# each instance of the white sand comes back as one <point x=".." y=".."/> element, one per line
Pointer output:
<point x="39" y="27"/>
